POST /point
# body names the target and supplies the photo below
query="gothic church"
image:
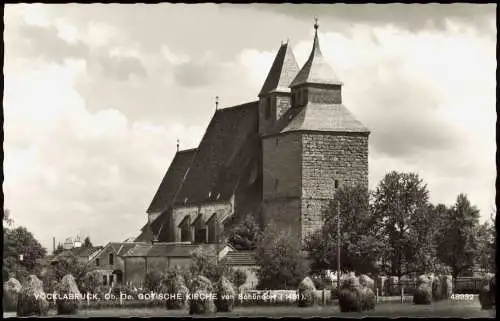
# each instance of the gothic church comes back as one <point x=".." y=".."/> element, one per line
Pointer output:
<point x="279" y="158"/>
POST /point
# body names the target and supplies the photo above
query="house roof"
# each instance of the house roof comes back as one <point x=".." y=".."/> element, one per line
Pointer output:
<point x="168" y="249"/>
<point x="238" y="258"/>
<point x="324" y="117"/>
<point x="146" y="234"/>
<point x="316" y="70"/>
<point x="282" y="72"/>
<point x="172" y="180"/>
<point x="208" y="178"/>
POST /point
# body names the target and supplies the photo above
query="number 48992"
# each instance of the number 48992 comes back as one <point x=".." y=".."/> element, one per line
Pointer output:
<point x="462" y="297"/>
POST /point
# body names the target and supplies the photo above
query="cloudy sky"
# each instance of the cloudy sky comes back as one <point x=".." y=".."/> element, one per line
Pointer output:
<point x="96" y="96"/>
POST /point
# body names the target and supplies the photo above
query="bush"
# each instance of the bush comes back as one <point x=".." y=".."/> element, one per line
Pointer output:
<point x="11" y="290"/>
<point x="350" y="300"/>
<point x="239" y="278"/>
<point x="441" y="287"/>
<point x="174" y="285"/>
<point x="486" y="297"/>
<point x="119" y="289"/>
<point x="423" y="294"/>
<point x="424" y="279"/>
<point x="66" y="288"/>
<point x="30" y="300"/>
<point x="319" y="283"/>
<point x="349" y="282"/>
<point x="201" y="302"/>
<point x="153" y="281"/>
<point x="91" y="282"/>
<point x="368" y="299"/>
<point x="225" y="293"/>
<point x="306" y="293"/>
<point x="366" y="281"/>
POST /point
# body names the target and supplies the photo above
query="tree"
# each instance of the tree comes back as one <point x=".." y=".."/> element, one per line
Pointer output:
<point x="484" y="255"/>
<point x="87" y="242"/>
<point x="458" y="244"/>
<point x="68" y="263"/>
<point x="22" y="253"/>
<point x="204" y="263"/>
<point x="245" y="234"/>
<point x="7" y="219"/>
<point x="281" y="263"/>
<point x="361" y="242"/>
<point x="401" y="204"/>
<point x="59" y="249"/>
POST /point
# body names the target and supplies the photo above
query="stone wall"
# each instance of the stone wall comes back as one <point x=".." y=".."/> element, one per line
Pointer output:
<point x="281" y="161"/>
<point x="283" y="214"/>
<point x="329" y="158"/>
<point x="333" y="157"/>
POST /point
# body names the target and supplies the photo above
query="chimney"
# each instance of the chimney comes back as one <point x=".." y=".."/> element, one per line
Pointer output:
<point x="53" y="245"/>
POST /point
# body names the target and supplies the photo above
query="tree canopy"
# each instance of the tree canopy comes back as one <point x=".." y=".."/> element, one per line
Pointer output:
<point x="282" y="265"/>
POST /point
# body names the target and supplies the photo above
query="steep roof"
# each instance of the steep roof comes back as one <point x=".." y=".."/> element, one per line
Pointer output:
<point x="146" y="234"/>
<point x="209" y="177"/>
<point x="238" y="258"/>
<point x="172" y="180"/>
<point x="316" y="70"/>
<point x="282" y="72"/>
<point x="324" y="117"/>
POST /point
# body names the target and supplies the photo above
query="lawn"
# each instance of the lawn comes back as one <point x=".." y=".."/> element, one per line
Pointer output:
<point x="459" y="309"/>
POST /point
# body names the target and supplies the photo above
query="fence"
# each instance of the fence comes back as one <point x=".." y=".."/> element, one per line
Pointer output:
<point x="462" y="285"/>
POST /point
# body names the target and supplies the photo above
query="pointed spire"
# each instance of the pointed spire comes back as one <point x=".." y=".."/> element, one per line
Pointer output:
<point x="282" y="72"/>
<point x="316" y="70"/>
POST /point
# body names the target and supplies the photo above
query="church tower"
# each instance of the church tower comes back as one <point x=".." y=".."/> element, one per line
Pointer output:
<point x="275" y="96"/>
<point x="317" y="147"/>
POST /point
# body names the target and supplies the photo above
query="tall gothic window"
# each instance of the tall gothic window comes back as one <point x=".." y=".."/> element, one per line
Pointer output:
<point x="185" y="230"/>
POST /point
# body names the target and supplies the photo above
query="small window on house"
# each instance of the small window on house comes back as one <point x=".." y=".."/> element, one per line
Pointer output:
<point x="105" y="280"/>
<point x="336" y="183"/>
<point x="111" y="280"/>
<point x="111" y="259"/>
<point x="97" y="262"/>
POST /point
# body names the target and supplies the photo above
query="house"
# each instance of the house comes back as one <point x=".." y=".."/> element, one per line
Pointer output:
<point x="244" y="261"/>
<point x="109" y="261"/>
<point x="83" y="254"/>
<point x="279" y="158"/>
<point x="144" y="258"/>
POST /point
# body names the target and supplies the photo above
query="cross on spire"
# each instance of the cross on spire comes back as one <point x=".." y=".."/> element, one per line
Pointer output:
<point x="316" y="23"/>
<point x="216" y="102"/>
<point x="177" y="144"/>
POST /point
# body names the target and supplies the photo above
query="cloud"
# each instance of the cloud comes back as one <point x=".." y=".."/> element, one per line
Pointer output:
<point x="413" y="17"/>
<point x="66" y="158"/>
<point x="119" y="67"/>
